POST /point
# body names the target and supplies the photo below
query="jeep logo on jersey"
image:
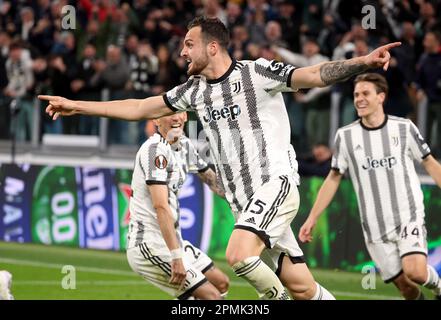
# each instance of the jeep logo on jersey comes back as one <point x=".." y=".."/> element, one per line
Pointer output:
<point x="226" y="112"/>
<point x="161" y="162"/>
<point x="387" y="162"/>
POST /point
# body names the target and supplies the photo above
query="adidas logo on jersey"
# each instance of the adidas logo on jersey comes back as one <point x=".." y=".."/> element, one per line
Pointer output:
<point x="231" y="112"/>
<point x="250" y="220"/>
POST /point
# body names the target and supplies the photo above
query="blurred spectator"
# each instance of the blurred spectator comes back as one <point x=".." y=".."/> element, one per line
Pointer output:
<point x="63" y="63"/>
<point x="429" y="83"/>
<point x="143" y="70"/>
<point x="113" y="75"/>
<point x="257" y="14"/>
<point x="289" y="16"/>
<point x="20" y="81"/>
<point x="83" y="87"/>
<point x="314" y="103"/>
<point x="427" y="19"/>
<point x="97" y="34"/>
<point x="318" y="163"/>
<point x="171" y="72"/>
<point x="234" y="15"/>
<point x="312" y="18"/>
<point x="212" y="9"/>
<point x="4" y="107"/>
<point x="27" y="22"/>
<point x="239" y="42"/>
<point x="273" y="34"/>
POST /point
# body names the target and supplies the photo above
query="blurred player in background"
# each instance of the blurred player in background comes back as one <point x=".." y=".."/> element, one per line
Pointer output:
<point x="379" y="150"/>
<point x="5" y="285"/>
<point x="155" y="247"/>
<point x="244" y="116"/>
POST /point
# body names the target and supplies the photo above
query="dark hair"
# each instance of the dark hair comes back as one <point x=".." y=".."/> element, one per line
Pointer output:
<point x="212" y="29"/>
<point x="16" y="44"/>
<point x="377" y="79"/>
<point x="436" y="34"/>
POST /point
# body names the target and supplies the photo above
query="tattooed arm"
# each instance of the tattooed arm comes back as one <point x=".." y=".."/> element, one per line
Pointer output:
<point x="327" y="73"/>
<point x="209" y="177"/>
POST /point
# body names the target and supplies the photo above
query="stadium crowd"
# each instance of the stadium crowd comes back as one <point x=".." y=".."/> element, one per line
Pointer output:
<point x="131" y="48"/>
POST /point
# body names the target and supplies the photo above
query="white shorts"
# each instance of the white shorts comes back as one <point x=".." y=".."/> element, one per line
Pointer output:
<point x="157" y="269"/>
<point x="196" y="257"/>
<point x="387" y="255"/>
<point x="269" y="214"/>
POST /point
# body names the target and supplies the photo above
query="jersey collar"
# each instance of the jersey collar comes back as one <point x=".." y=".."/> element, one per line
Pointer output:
<point x="225" y="75"/>
<point x="375" y="128"/>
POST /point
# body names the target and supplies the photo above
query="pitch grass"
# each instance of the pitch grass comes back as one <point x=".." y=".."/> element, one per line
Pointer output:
<point x="37" y="274"/>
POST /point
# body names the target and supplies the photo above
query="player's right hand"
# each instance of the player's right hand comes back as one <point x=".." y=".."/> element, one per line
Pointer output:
<point x="59" y="106"/>
<point x="305" y="233"/>
<point x="178" y="273"/>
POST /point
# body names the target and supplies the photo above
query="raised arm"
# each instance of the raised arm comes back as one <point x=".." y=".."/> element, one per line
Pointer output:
<point x="159" y="195"/>
<point x="433" y="167"/>
<point x="327" y="73"/>
<point x="324" y="197"/>
<point x="129" y="109"/>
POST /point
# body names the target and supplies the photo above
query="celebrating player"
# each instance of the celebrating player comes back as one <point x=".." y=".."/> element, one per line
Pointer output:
<point x="241" y="108"/>
<point x="379" y="151"/>
<point x="155" y="246"/>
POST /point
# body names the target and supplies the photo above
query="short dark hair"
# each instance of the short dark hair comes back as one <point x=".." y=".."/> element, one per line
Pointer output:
<point x="377" y="79"/>
<point x="212" y="29"/>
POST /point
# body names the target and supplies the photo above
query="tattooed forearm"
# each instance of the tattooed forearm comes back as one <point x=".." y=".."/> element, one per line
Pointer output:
<point x="209" y="177"/>
<point x="332" y="72"/>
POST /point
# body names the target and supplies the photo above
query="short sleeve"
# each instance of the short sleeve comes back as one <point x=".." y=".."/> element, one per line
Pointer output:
<point x="418" y="146"/>
<point x="156" y="162"/>
<point x="274" y="75"/>
<point x="195" y="161"/>
<point x="178" y="98"/>
<point x="339" y="158"/>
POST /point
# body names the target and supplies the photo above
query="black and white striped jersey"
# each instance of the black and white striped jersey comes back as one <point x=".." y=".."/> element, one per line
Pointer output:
<point x="158" y="162"/>
<point x="381" y="166"/>
<point x="245" y="119"/>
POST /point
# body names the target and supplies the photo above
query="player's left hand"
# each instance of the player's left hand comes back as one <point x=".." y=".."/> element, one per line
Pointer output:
<point x="380" y="57"/>
<point x="305" y="233"/>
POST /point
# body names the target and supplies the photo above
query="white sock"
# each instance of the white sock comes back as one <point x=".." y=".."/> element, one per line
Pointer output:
<point x="432" y="281"/>
<point x="322" y="294"/>
<point x="262" y="278"/>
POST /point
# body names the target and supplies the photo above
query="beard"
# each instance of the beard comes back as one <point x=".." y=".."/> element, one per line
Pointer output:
<point x="198" y="65"/>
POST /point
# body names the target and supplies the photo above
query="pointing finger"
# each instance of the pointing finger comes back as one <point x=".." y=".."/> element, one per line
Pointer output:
<point x="47" y="97"/>
<point x="391" y="45"/>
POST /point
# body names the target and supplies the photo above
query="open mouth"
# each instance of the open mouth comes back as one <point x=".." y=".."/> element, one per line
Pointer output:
<point x="176" y="125"/>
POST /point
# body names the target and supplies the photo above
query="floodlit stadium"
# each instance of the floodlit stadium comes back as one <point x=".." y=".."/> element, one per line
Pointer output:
<point x="69" y="185"/>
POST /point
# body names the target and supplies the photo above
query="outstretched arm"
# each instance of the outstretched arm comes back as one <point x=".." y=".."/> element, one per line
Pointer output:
<point x="433" y="167"/>
<point x="327" y="73"/>
<point x="129" y="109"/>
<point x="324" y="197"/>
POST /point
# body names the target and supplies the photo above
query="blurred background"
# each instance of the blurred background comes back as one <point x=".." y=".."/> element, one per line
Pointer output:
<point x="66" y="182"/>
